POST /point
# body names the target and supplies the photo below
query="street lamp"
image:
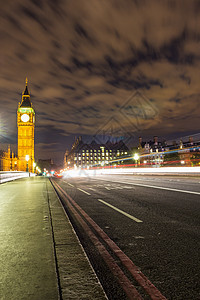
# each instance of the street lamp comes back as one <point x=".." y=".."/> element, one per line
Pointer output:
<point x="38" y="169"/>
<point x="34" y="165"/>
<point x="27" y="159"/>
<point x="136" y="157"/>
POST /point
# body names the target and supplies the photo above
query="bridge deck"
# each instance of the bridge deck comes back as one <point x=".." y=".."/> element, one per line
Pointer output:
<point x="40" y="256"/>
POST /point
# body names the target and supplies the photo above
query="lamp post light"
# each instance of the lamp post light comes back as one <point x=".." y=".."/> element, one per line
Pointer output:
<point x="38" y="170"/>
<point x="136" y="158"/>
<point x="27" y="159"/>
<point x="34" y="165"/>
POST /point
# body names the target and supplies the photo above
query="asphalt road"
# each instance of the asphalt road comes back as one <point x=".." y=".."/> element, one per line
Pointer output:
<point x="153" y="219"/>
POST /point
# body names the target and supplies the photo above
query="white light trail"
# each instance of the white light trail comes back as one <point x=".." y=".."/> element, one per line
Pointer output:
<point x="140" y="171"/>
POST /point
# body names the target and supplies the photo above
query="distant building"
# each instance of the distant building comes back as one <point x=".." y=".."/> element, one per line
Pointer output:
<point x="46" y="164"/>
<point x="83" y="155"/>
<point x="8" y="161"/>
<point x="158" y="152"/>
<point x="151" y="146"/>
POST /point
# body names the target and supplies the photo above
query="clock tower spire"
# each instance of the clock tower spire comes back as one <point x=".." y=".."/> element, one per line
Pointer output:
<point x="25" y="124"/>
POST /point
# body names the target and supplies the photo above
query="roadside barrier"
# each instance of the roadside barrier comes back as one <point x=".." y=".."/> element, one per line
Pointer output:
<point x="13" y="175"/>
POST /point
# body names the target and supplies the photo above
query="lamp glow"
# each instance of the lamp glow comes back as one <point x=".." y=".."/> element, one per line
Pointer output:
<point x="136" y="156"/>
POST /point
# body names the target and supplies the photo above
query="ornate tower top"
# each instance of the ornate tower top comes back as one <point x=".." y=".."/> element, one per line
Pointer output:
<point x="26" y="97"/>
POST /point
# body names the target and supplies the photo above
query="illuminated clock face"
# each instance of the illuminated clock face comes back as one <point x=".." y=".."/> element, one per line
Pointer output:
<point x="25" y="118"/>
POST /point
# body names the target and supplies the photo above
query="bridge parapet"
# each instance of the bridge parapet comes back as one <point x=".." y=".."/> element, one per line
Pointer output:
<point x="13" y="175"/>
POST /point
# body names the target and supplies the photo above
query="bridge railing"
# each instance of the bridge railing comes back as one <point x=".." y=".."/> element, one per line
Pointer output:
<point x="13" y="175"/>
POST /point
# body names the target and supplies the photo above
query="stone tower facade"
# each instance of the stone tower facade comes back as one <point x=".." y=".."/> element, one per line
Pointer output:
<point x="26" y="125"/>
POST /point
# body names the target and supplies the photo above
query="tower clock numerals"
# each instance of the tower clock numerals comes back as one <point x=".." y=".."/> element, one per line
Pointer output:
<point x="25" y="118"/>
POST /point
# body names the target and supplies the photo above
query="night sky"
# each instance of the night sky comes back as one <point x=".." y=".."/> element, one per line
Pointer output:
<point x="100" y="67"/>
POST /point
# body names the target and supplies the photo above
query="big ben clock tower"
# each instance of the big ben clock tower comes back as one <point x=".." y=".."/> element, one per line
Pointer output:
<point x="26" y="124"/>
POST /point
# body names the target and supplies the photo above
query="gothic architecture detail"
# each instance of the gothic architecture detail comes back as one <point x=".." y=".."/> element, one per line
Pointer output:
<point x="25" y="124"/>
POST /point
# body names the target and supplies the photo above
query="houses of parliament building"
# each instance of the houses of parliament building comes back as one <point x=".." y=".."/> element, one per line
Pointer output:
<point x="24" y="161"/>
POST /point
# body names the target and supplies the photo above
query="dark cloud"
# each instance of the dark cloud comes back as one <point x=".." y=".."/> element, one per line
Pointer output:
<point x="85" y="59"/>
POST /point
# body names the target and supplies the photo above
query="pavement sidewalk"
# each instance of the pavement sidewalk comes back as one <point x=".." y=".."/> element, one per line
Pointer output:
<point x="40" y="255"/>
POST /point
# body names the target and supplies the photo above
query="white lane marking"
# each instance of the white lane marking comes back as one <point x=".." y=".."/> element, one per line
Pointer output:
<point x="157" y="187"/>
<point x="92" y="189"/>
<point x="84" y="191"/>
<point x="121" y="211"/>
<point x="71" y="184"/>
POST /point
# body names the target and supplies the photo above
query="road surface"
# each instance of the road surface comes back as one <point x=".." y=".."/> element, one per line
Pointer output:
<point x="154" y="220"/>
